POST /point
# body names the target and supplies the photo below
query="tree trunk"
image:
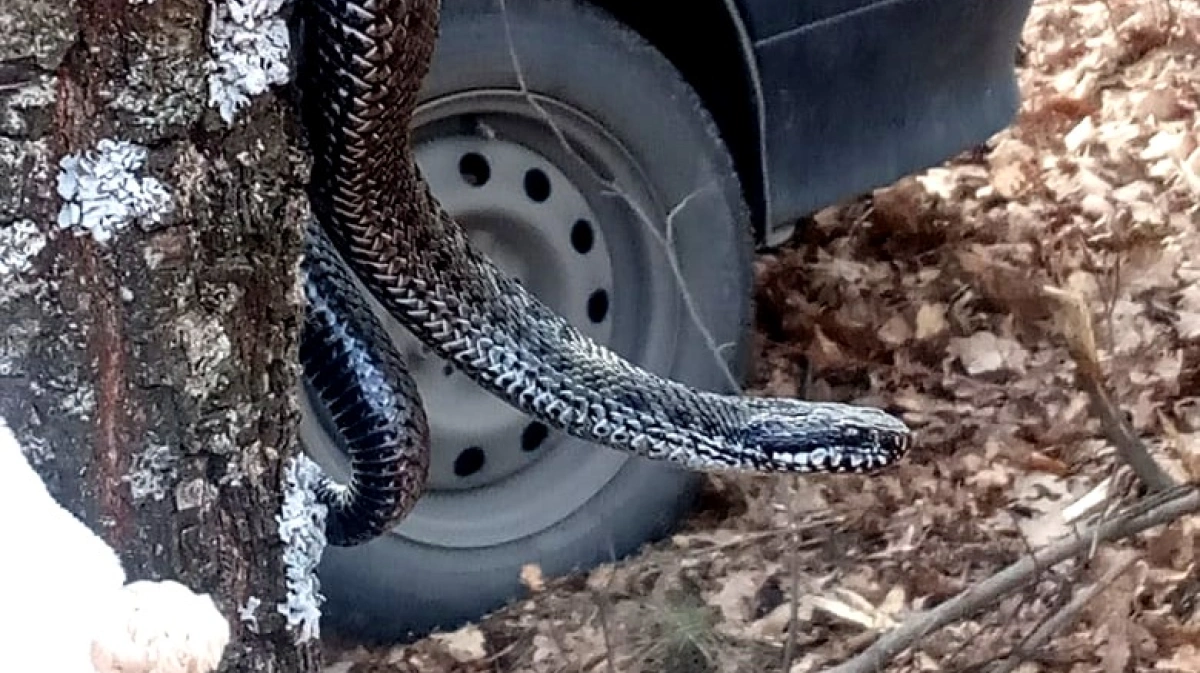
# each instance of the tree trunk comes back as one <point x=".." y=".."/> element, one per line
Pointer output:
<point x="151" y="372"/>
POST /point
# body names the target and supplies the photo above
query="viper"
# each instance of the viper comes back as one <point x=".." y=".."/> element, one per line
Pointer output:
<point x="374" y="218"/>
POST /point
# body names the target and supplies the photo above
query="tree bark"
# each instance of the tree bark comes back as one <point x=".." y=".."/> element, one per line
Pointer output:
<point x="152" y="376"/>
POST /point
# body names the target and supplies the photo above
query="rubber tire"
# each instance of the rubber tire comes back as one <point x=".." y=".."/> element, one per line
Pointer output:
<point x="394" y="589"/>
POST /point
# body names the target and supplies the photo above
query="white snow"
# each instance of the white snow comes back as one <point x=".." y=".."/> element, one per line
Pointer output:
<point x="68" y="608"/>
<point x="55" y="574"/>
<point x="160" y="627"/>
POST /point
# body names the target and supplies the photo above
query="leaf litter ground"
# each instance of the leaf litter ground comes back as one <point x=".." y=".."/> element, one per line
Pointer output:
<point x="926" y="298"/>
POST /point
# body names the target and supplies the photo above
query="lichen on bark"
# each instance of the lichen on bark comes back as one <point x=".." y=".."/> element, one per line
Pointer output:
<point x="41" y="31"/>
<point x="153" y="376"/>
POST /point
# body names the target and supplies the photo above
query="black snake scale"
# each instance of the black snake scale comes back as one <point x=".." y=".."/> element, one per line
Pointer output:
<point x="361" y="67"/>
<point x="360" y="378"/>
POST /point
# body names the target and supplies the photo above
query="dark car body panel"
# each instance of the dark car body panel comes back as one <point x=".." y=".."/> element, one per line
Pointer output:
<point x="823" y="100"/>
<point x="856" y="94"/>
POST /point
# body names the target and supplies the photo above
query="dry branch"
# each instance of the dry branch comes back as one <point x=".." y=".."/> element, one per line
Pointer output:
<point x="1081" y="343"/>
<point x="1150" y="512"/>
<point x="1058" y="621"/>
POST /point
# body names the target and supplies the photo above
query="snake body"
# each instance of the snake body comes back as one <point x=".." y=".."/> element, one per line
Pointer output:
<point x="362" y="64"/>
<point x="362" y="381"/>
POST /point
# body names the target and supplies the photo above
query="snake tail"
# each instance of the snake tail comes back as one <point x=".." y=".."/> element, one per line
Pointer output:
<point x="363" y="383"/>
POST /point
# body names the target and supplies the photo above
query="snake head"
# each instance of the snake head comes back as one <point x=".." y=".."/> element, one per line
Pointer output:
<point x="799" y="436"/>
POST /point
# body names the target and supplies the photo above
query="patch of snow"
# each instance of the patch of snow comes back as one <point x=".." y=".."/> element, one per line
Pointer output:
<point x="250" y="49"/>
<point x="103" y="190"/>
<point x="57" y="587"/>
<point x="160" y="627"/>
<point x="302" y="528"/>
<point x="66" y="588"/>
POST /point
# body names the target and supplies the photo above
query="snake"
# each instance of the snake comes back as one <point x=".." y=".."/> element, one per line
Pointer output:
<point x="374" y="217"/>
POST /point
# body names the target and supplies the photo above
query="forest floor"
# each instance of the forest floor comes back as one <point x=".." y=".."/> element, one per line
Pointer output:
<point x="927" y="298"/>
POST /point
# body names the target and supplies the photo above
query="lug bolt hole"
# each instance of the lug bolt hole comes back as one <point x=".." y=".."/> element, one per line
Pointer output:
<point x="582" y="236"/>
<point x="474" y="169"/>
<point x="537" y="185"/>
<point x="597" y="306"/>
<point x="469" y="461"/>
<point x="533" y="436"/>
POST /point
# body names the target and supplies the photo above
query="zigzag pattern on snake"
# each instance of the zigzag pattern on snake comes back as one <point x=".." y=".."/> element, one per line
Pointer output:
<point x="362" y="65"/>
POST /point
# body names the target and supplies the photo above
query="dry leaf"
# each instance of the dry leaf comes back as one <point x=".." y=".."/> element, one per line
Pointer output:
<point x="736" y="594"/>
<point x="465" y="645"/>
<point x="931" y="321"/>
<point x="895" y="331"/>
<point x="984" y="353"/>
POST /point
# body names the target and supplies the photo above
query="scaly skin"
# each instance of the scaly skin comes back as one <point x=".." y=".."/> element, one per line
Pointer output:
<point x="364" y="61"/>
<point x="361" y="379"/>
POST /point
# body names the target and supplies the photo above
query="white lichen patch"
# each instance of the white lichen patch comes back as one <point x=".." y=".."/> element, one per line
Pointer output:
<point x="250" y="46"/>
<point x="247" y="613"/>
<point x="194" y="494"/>
<point x="207" y="347"/>
<point x="79" y="403"/>
<point x="37" y="450"/>
<point x="26" y="172"/>
<point x="42" y="30"/>
<point x="302" y="529"/>
<point x="104" y="190"/>
<point x="16" y="338"/>
<point x="152" y="474"/>
<point x="20" y="243"/>
<point x="157" y="108"/>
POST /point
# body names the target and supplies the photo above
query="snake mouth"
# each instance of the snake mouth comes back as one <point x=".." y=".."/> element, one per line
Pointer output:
<point x="537" y="209"/>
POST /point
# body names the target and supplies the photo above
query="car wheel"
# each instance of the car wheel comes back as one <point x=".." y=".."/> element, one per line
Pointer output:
<point x="506" y="491"/>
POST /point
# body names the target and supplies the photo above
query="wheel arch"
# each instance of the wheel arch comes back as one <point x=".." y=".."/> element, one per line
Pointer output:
<point x="716" y="57"/>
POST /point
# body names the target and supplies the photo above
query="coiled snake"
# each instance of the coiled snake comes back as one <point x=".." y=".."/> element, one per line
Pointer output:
<point x="361" y="66"/>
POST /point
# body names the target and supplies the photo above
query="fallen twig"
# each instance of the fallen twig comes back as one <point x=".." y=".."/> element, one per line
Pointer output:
<point x="789" y="648"/>
<point x="1059" y="621"/>
<point x="603" y="604"/>
<point x="1150" y="512"/>
<point x="1081" y="343"/>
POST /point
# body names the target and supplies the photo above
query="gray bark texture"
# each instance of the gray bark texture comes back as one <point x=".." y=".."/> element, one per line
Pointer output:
<point x="153" y="377"/>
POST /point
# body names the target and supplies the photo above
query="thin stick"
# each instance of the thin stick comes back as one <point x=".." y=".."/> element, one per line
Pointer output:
<point x="1153" y="511"/>
<point x="789" y="648"/>
<point x="603" y="604"/>
<point x="1081" y="344"/>
<point x="1121" y="435"/>
<point x="1061" y="619"/>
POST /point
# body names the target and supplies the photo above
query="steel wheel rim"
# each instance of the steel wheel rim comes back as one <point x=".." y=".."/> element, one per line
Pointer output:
<point x="518" y="492"/>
